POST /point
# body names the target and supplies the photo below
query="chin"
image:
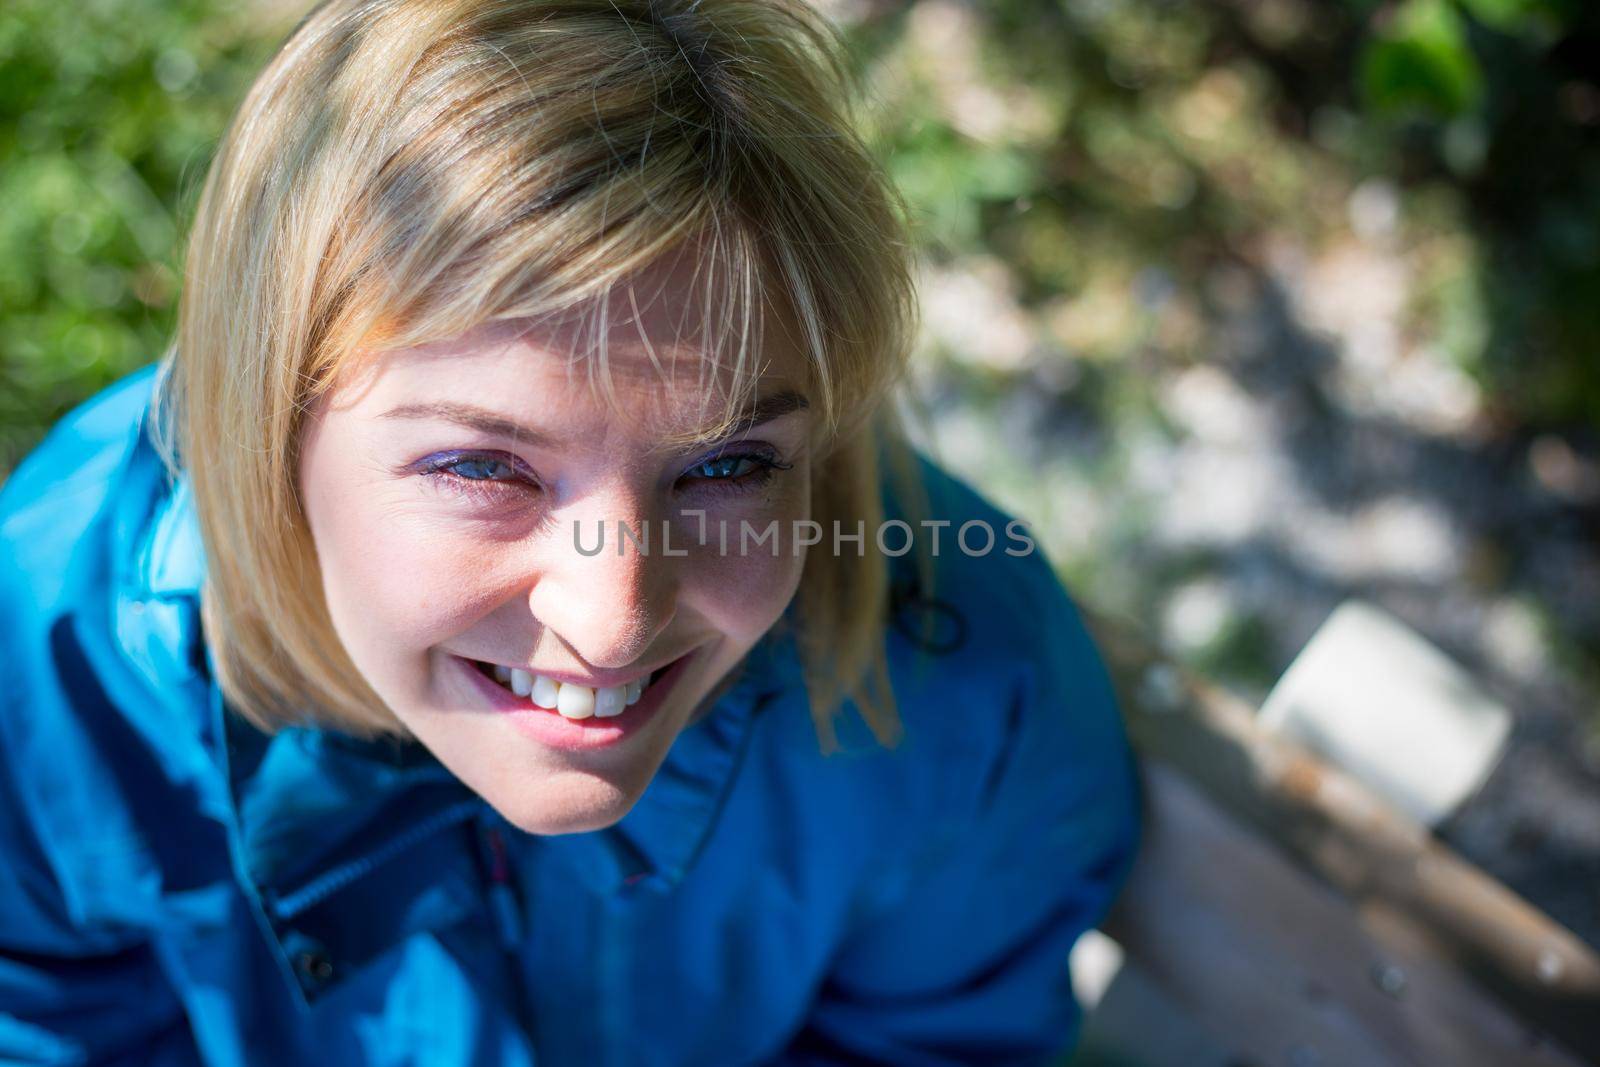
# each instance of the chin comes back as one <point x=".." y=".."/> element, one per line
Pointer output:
<point x="577" y="809"/>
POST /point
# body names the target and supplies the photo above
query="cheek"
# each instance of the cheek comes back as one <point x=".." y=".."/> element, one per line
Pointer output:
<point x="747" y="588"/>
<point x="745" y="594"/>
<point x="394" y="582"/>
<point x="400" y="583"/>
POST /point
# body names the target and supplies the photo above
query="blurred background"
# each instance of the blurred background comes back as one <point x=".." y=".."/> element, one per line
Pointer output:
<point x="1247" y="306"/>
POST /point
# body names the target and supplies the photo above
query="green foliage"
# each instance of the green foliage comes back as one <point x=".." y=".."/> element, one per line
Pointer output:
<point x="1500" y="106"/>
<point x="1086" y="147"/>
<point x="1420" y="60"/>
<point x="108" y="114"/>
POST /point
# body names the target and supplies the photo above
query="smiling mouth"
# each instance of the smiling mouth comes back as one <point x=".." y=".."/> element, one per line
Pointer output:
<point x="569" y="700"/>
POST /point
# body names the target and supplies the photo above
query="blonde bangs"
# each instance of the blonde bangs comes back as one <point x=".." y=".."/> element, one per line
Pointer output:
<point x="404" y="172"/>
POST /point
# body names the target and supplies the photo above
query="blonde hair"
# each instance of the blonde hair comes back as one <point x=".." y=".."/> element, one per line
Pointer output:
<point x="404" y="170"/>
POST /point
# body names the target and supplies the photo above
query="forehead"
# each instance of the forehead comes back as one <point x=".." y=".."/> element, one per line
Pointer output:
<point x="658" y="356"/>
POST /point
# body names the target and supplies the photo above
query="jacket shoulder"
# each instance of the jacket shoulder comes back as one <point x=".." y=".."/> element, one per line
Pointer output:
<point x="1013" y="779"/>
<point x="996" y="675"/>
<point x="56" y="541"/>
<point x="996" y="604"/>
<point x="72" y="770"/>
<point x="51" y="500"/>
<point x="986" y="563"/>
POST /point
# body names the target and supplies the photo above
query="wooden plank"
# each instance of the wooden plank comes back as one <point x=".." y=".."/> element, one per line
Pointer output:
<point x="1117" y="1031"/>
<point x="1415" y="891"/>
<point x="1279" y="968"/>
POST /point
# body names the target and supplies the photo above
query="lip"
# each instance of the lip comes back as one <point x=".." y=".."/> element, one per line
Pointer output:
<point x="555" y="730"/>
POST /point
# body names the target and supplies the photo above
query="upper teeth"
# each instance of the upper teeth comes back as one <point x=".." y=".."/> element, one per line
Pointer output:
<point x="571" y="701"/>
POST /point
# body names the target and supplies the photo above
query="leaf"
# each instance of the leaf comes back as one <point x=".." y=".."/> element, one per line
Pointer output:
<point x="1420" y="62"/>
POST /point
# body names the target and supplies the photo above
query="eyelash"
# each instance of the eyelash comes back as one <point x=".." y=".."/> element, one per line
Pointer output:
<point x="480" y="490"/>
<point x="767" y="463"/>
<point x="491" y="491"/>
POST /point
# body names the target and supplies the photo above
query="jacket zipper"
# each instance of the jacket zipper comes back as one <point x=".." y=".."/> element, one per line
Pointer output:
<point x="506" y="913"/>
<point x="311" y="894"/>
<point x="502" y="897"/>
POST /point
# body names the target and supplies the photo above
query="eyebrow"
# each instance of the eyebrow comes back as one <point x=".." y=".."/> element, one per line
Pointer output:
<point x="493" y="424"/>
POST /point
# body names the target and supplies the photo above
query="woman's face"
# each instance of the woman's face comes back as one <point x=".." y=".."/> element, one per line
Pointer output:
<point x="443" y="486"/>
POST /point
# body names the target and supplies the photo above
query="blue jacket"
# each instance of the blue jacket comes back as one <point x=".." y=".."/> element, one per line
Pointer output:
<point x="178" y="888"/>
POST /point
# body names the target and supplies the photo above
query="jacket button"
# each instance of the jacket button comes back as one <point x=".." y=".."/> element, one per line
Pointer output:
<point x="314" y="965"/>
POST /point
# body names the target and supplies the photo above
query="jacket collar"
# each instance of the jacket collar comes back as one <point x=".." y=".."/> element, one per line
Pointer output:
<point x="302" y="797"/>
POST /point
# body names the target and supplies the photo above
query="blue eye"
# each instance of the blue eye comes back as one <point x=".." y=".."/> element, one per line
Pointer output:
<point x="497" y="479"/>
<point x="723" y="466"/>
<point x="480" y="469"/>
<point x="737" y="472"/>
<point x="483" y="477"/>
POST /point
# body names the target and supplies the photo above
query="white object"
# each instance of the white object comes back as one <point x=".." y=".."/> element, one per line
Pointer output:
<point x="1094" y="961"/>
<point x="1375" y="698"/>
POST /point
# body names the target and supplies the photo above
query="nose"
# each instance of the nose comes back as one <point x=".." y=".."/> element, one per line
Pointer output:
<point x="607" y="608"/>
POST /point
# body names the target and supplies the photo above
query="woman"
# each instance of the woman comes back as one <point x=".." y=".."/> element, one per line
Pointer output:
<point x="509" y="626"/>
